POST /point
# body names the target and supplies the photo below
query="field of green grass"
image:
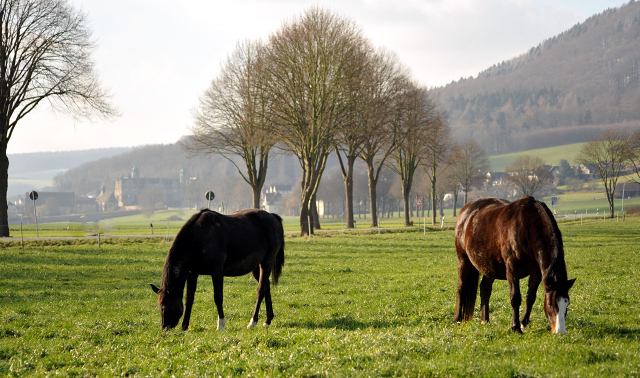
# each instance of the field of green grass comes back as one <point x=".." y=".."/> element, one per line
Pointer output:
<point x="551" y="155"/>
<point x="346" y="305"/>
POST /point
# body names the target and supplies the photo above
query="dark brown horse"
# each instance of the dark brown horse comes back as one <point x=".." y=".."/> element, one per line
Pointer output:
<point x="209" y="243"/>
<point x="510" y="241"/>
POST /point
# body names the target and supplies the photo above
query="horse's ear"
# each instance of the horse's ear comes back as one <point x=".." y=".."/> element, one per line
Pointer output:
<point x="155" y="288"/>
<point x="570" y="283"/>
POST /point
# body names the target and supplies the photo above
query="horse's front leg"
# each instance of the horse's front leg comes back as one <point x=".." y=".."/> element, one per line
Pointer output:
<point x="261" y="292"/>
<point x="534" y="282"/>
<point x="218" y="281"/>
<point x="516" y="297"/>
<point x="192" y="283"/>
<point x="486" y="286"/>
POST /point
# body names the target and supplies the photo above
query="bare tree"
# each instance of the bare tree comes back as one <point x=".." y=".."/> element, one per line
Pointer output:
<point x="634" y="154"/>
<point x="381" y="136"/>
<point x="438" y="146"/>
<point x="417" y="118"/>
<point x="310" y="63"/>
<point x="232" y="117"/>
<point x="608" y="153"/>
<point x="350" y="137"/>
<point x="469" y="166"/>
<point x="45" y="49"/>
<point x="528" y="174"/>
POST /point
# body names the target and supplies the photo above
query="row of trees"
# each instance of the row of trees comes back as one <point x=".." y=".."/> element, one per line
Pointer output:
<point x="315" y="87"/>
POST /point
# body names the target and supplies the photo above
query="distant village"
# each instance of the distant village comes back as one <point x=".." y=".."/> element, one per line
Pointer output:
<point x="130" y="192"/>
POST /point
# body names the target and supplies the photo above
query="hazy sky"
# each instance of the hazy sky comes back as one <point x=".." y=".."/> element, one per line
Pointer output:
<point x="158" y="56"/>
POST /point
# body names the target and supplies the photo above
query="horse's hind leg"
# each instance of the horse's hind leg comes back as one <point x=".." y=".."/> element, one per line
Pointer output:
<point x="467" y="289"/>
<point x="192" y="283"/>
<point x="261" y="292"/>
<point x="486" y="285"/>
<point x="516" y="297"/>
<point x="534" y="282"/>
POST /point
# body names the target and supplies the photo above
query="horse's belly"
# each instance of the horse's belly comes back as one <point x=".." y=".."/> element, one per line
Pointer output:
<point x="242" y="266"/>
<point x="491" y="268"/>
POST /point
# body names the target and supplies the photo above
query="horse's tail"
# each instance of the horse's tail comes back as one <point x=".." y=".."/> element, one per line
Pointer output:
<point x="278" y="263"/>
<point x="467" y="293"/>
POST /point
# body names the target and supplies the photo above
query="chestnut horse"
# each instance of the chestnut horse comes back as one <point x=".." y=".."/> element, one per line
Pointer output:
<point x="209" y="243"/>
<point x="510" y="241"/>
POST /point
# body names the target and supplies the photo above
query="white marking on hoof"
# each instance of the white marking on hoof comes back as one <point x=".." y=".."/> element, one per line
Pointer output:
<point x="221" y="322"/>
<point x="252" y="323"/>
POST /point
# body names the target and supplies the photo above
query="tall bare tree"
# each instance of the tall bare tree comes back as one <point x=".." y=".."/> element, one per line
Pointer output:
<point x="350" y="137"/>
<point x="232" y="119"/>
<point x="45" y="55"/>
<point x="310" y="63"/>
<point x="528" y="174"/>
<point x="381" y="136"/>
<point x="469" y="166"/>
<point x="417" y="118"/>
<point x="438" y="147"/>
<point x="608" y="153"/>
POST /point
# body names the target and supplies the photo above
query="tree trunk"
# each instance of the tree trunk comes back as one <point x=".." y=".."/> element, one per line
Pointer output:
<point x="347" y="176"/>
<point x="455" y="200"/>
<point x="256" y="196"/>
<point x="4" y="185"/>
<point x="305" y="212"/>
<point x="610" y="193"/>
<point x="314" y="213"/>
<point x="406" y="194"/>
<point x="433" y="198"/>
<point x="466" y="196"/>
<point x="373" y="199"/>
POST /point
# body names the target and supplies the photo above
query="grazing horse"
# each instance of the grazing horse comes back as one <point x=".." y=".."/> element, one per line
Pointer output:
<point x="209" y="243"/>
<point x="510" y="241"/>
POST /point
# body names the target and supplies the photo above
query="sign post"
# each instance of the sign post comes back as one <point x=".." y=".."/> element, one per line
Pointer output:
<point x="209" y="196"/>
<point x="34" y="196"/>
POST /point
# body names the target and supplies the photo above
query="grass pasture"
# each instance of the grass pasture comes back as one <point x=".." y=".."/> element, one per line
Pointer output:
<point x="346" y="305"/>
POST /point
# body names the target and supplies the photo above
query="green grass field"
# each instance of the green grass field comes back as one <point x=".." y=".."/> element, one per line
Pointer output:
<point x="551" y="155"/>
<point x="346" y="305"/>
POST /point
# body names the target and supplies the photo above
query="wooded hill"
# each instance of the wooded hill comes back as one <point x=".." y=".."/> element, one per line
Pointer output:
<point x="166" y="161"/>
<point x="567" y="89"/>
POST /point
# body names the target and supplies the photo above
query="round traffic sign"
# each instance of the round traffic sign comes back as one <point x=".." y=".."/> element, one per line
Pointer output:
<point x="33" y="195"/>
<point x="209" y="195"/>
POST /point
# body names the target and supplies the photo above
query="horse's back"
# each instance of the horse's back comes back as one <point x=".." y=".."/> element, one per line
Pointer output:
<point x="253" y="237"/>
<point x="492" y="231"/>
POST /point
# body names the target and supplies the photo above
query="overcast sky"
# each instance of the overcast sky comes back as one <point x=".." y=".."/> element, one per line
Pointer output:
<point x="158" y="56"/>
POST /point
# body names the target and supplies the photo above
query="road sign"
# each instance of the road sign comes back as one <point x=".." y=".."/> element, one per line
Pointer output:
<point x="209" y="195"/>
<point x="33" y="195"/>
<point x="419" y="202"/>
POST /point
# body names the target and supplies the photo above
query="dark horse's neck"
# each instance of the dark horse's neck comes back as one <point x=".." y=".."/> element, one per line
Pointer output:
<point x="176" y="266"/>
<point x="554" y="270"/>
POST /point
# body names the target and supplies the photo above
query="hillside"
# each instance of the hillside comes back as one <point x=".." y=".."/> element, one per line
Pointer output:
<point x="166" y="161"/>
<point x="565" y="90"/>
<point x="29" y="171"/>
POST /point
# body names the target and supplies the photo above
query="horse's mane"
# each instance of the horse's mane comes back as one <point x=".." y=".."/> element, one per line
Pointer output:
<point x="180" y="243"/>
<point x="556" y="273"/>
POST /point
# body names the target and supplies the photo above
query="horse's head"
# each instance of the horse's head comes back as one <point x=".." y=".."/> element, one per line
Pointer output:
<point x="556" y="301"/>
<point x="170" y="307"/>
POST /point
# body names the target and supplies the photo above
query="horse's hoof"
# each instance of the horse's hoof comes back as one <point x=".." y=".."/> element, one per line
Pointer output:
<point x="221" y="323"/>
<point x="266" y="324"/>
<point x="517" y="330"/>
<point x="252" y="323"/>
